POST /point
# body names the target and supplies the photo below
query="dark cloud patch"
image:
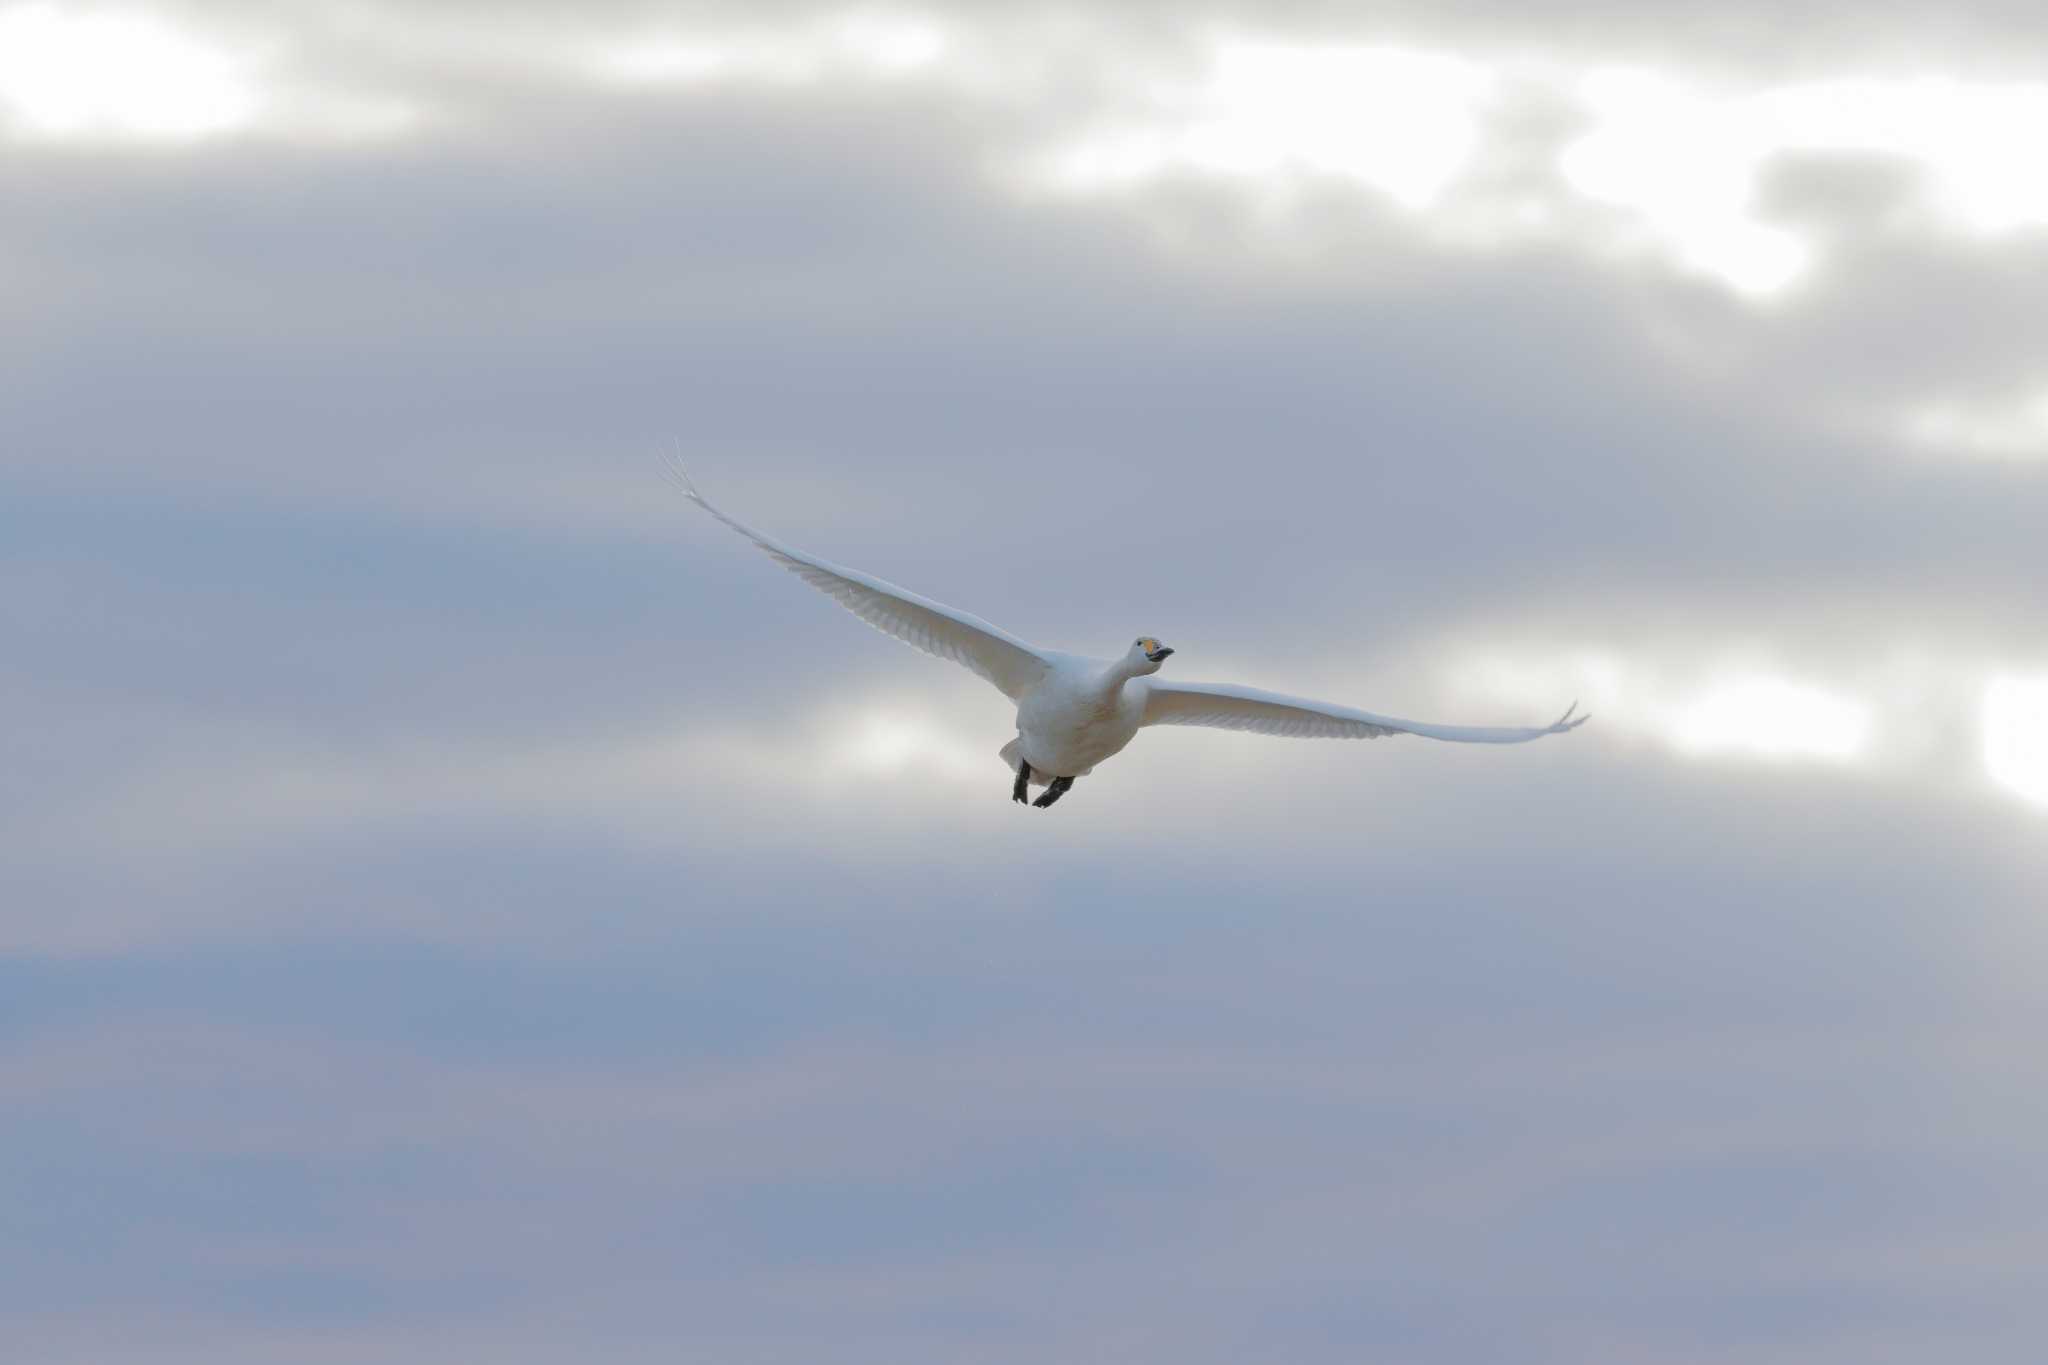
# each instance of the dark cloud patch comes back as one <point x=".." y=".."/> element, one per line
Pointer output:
<point x="904" y="320"/>
<point x="1839" y="193"/>
<point x="1982" y="35"/>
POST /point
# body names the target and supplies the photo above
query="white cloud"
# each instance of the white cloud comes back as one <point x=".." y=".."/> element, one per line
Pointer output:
<point x="94" y="77"/>
<point x="1769" y="716"/>
<point x="1263" y="112"/>
<point x="1905" y="716"/>
<point x="67" y="73"/>
<point x="1673" y="161"/>
<point x="2016" y="734"/>
<point x="2016" y="429"/>
<point x="1685" y="159"/>
<point x="1667" y="167"/>
<point x="856" y="43"/>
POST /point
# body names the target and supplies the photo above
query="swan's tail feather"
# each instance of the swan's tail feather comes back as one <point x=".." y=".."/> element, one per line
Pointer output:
<point x="1013" y="753"/>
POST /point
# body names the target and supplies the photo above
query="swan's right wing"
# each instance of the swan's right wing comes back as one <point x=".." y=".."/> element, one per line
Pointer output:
<point x="1012" y="665"/>
<point x="1224" y="707"/>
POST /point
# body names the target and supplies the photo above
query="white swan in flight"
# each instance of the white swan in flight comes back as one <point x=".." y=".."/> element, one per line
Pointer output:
<point x="1074" y="712"/>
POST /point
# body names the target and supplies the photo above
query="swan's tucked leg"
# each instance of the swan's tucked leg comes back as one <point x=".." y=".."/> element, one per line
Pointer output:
<point x="1055" y="791"/>
<point x="1023" y="777"/>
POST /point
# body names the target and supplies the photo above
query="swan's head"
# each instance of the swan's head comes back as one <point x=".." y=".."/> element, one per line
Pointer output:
<point x="1147" y="654"/>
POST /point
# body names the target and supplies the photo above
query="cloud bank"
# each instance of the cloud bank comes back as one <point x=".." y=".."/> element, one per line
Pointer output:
<point x="459" y="902"/>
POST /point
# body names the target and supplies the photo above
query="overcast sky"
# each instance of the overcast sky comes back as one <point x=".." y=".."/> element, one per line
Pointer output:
<point x="459" y="902"/>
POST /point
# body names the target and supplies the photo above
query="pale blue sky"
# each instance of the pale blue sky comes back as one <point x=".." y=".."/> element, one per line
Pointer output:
<point x="458" y="902"/>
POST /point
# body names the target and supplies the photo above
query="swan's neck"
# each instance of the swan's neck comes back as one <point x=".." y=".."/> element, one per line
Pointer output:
<point x="1117" y="674"/>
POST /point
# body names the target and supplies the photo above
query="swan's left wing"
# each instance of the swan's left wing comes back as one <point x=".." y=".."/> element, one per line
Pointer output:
<point x="1012" y="665"/>
<point x="1224" y="707"/>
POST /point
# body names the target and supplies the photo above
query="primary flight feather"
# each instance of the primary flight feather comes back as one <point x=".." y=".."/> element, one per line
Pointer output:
<point x="1074" y="712"/>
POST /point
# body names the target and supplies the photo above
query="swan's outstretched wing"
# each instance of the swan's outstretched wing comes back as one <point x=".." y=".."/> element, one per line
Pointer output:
<point x="997" y="655"/>
<point x="1223" y="707"/>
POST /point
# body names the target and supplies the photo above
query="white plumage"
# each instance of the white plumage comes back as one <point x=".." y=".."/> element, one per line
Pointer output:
<point x="1073" y="712"/>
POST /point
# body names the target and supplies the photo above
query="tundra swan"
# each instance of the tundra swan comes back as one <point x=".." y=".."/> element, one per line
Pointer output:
<point x="1074" y="712"/>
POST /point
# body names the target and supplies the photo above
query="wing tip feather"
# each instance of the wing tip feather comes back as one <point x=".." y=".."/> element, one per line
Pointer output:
<point x="679" y="475"/>
<point x="1566" y="723"/>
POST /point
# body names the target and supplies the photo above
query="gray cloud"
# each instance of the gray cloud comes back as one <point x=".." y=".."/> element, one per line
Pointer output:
<point x="458" y="901"/>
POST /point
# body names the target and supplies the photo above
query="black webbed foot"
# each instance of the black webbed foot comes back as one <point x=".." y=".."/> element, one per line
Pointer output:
<point x="1017" y="793"/>
<point x="1054" y="792"/>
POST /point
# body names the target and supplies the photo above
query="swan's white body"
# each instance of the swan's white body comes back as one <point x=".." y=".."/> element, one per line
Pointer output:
<point x="1073" y="712"/>
<point x="1079" y="713"/>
